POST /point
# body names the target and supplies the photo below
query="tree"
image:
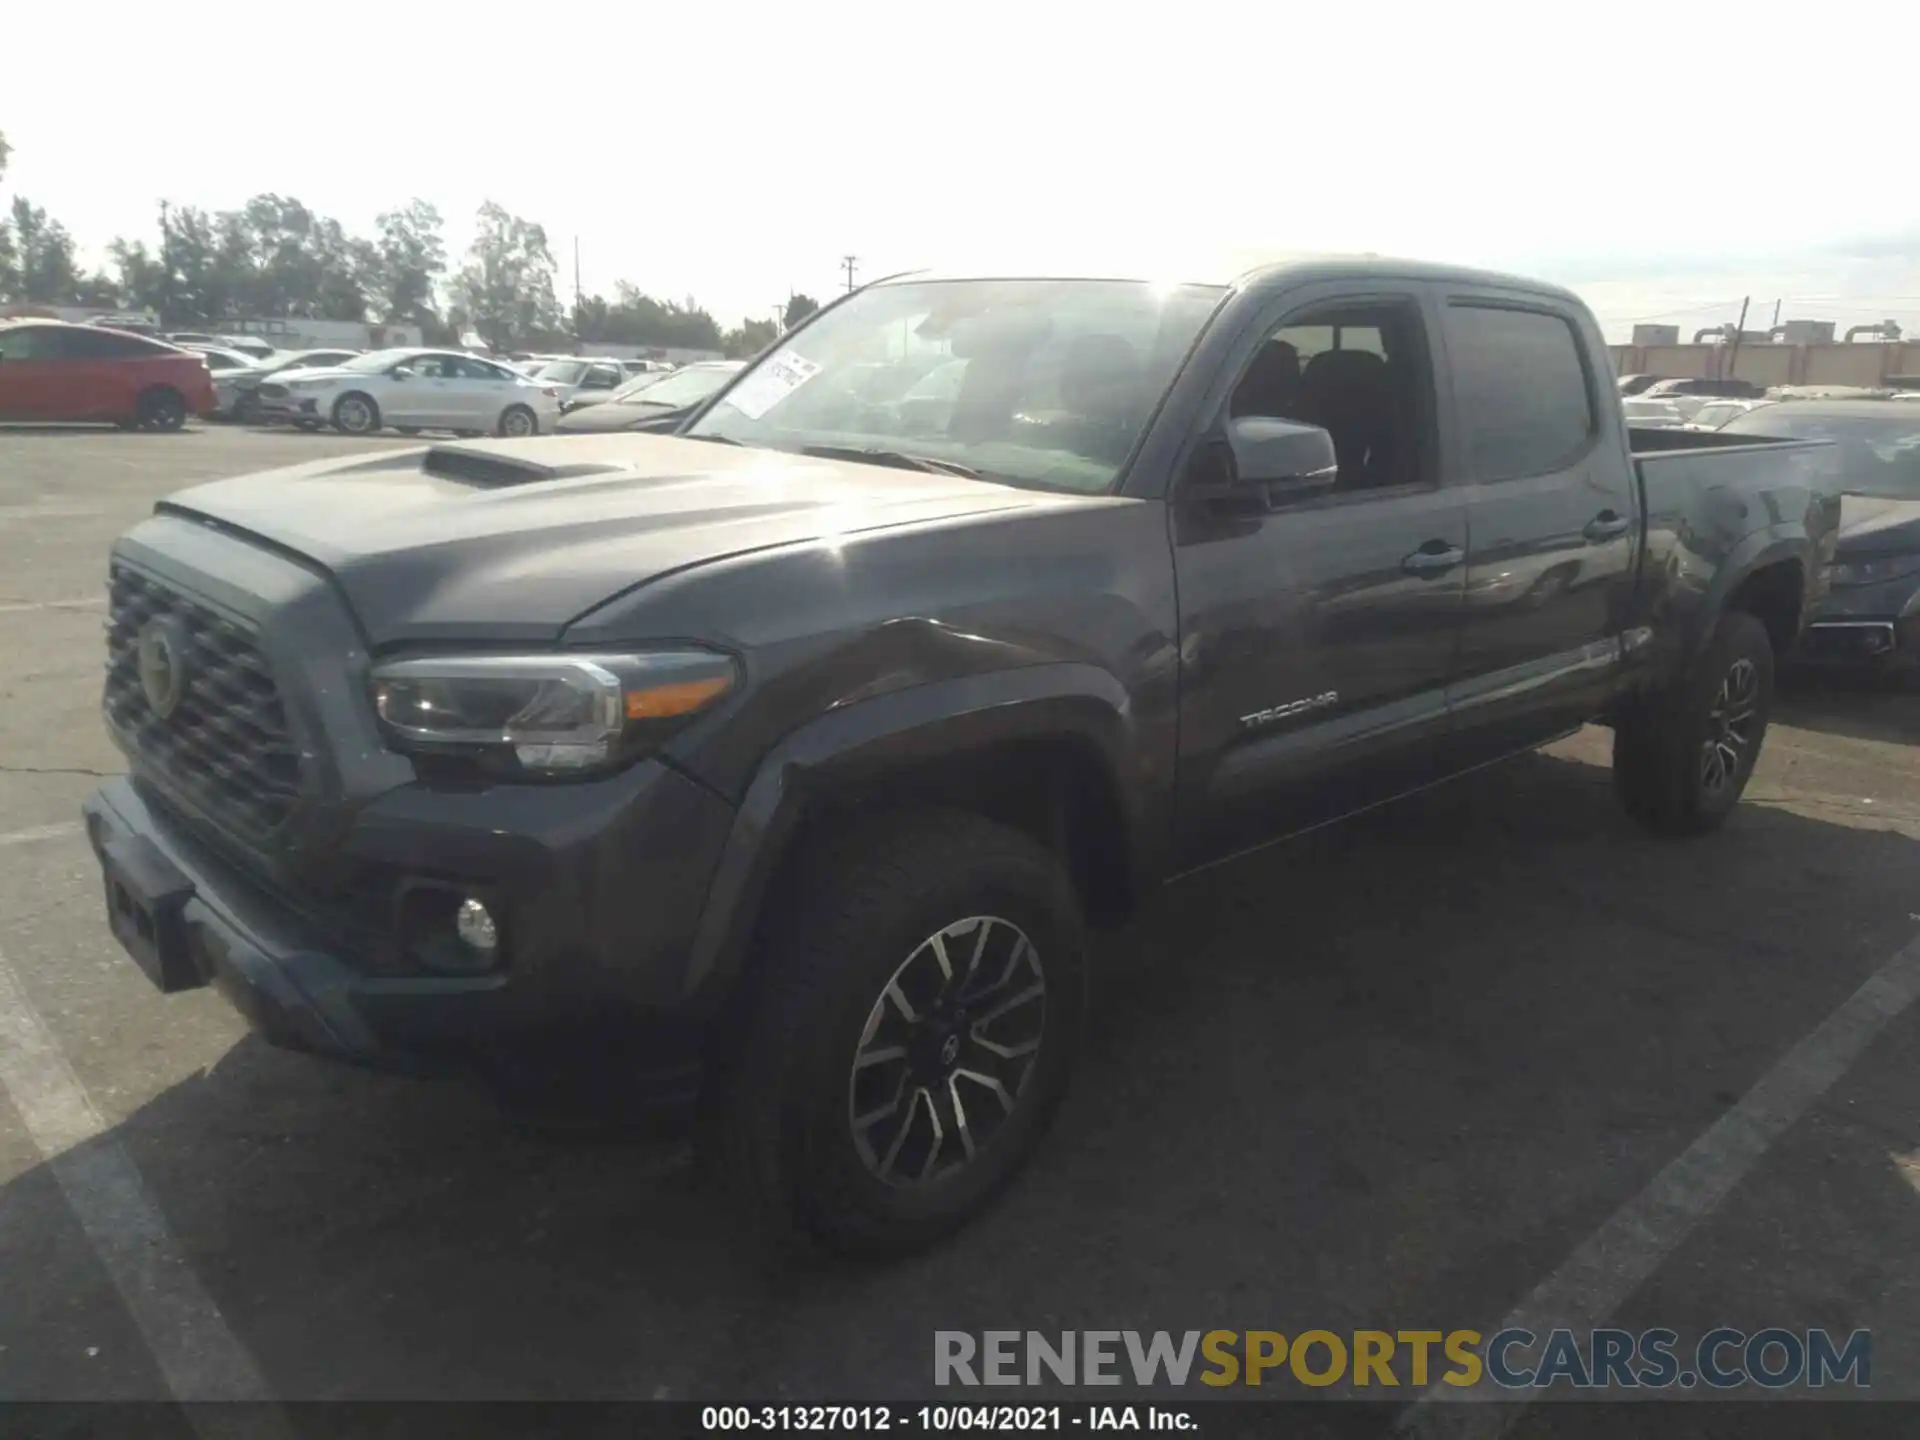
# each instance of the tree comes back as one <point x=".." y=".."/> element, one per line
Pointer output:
<point x="799" y="307"/>
<point x="506" y="286"/>
<point x="43" y="268"/>
<point x="5" y="151"/>
<point x="412" y="257"/>
<point x="141" y="280"/>
<point x="750" y="339"/>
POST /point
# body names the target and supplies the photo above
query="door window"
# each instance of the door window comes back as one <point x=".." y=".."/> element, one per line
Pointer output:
<point x="1524" y="397"/>
<point x="1360" y="372"/>
<point x="600" y="377"/>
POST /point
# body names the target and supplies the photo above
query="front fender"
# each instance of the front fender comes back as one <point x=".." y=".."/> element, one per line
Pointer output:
<point x="859" y="743"/>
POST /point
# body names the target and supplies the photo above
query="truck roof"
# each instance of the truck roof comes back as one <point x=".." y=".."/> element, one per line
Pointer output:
<point x="1270" y="273"/>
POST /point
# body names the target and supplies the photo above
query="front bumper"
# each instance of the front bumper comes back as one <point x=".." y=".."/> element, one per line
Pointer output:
<point x="1869" y="627"/>
<point x="597" y="926"/>
<point x="285" y="409"/>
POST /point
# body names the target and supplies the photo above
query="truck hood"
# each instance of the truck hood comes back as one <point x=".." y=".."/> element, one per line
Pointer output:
<point x="511" y="540"/>
<point x="1871" y="525"/>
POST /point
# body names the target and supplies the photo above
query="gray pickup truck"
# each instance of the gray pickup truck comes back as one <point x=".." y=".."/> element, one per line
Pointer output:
<point x="785" y="761"/>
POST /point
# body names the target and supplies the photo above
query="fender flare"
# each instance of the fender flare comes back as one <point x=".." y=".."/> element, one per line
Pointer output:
<point x="1756" y="552"/>
<point x="866" y="740"/>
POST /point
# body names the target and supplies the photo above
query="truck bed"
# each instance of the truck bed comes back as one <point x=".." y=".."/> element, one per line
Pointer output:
<point x="1724" y="505"/>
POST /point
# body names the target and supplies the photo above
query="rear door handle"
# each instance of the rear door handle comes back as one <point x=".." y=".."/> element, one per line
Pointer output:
<point x="1606" y="526"/>
<point x="1436" y="557"/>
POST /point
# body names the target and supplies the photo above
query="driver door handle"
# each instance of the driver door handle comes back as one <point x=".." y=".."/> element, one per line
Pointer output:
<point x="1606" y="526"/>
<point x="1436" y="557"/>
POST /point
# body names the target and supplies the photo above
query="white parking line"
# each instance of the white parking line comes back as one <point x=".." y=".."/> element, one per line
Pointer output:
<point x="1613" y="1262"/>
<point x="21" y="607"/>
<point x="40" y="832"/>
<point x="199" y="1358"/>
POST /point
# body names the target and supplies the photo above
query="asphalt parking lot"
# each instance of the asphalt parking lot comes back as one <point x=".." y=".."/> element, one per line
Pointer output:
<point x="1400" y="1074"/>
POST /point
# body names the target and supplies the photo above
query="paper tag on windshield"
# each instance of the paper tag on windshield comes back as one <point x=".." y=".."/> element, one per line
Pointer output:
<point x="770" y="384"/>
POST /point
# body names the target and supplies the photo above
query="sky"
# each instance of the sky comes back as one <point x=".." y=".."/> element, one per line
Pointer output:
<point x="735" y="154"/>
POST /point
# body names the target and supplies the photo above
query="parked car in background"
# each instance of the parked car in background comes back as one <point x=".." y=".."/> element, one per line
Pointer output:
<point x="1645" y="414"/>
<point x="1870" y="615"/>
<point x="652" y="402"/>
<point x="248" y="345"/>
<point x="1712" y="414"/>
<point x="1635" y="384"/>
<point x="52" y="371"/>
<point x="412" y="390"/>
<point x="1699" y="385"/>
<point x="246" y="402"/>
<point x="579" y="377"/>
<point x="230" y="370"/>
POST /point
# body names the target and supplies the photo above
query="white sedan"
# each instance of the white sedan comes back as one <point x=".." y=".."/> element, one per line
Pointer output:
<point x="412" y="390"/>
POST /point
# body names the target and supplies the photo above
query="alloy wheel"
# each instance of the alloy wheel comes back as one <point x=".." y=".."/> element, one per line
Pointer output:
<point x="947" y="1051"/>
<point x="1731" y="725"/>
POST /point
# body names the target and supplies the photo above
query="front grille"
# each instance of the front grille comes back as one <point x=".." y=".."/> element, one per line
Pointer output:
<point x="226" y="746"/>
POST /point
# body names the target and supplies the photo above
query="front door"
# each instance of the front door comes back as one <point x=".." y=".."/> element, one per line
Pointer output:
<point x="1317" y="637"/>
<point x="29" y="379"/>
<point x="1552" y="514"/>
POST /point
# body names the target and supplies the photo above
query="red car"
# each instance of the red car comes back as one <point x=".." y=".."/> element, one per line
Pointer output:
<point x="54" y="371"/>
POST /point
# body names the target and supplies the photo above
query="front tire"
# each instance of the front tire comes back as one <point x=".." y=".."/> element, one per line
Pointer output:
<point x="1682" y="759"/>
<point x="921" y="996"/>
<point x="356" y="414"/>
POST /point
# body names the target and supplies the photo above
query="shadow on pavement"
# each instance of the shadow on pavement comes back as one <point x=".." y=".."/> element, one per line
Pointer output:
<point x="1385" y="1076"/>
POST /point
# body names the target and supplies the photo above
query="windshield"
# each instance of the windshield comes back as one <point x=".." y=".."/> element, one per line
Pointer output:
<point x="562" y="372"/>
<point x="375" y="361"/>
<point x="1879" y="454"/>
<point x="682" y="387"/>
<point x="1716" y="414"/>
<point x="1052" y="384"/>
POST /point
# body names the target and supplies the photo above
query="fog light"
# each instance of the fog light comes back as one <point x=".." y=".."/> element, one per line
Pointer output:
<point x="475" y="926"/>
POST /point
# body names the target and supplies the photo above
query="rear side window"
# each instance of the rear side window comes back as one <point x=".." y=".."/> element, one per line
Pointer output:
<point x="1524" y="403"/>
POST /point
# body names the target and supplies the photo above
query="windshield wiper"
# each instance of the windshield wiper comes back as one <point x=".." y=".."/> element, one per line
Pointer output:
<point x="896" y="458"/>
<point x="716" y="439"/>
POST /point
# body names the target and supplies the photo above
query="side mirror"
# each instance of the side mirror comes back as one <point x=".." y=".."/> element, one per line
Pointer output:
<point x="1274" y="460"/>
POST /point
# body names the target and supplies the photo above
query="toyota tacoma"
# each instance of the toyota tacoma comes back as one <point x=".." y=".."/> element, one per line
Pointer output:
<point x="787" y="760"/>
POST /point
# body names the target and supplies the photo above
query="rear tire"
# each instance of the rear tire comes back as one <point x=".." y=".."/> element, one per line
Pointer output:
<point x="162" y="409"/>
<point x="356" y="414"/>
<point x="1682" y="758"/>
<point x="517" y="422"/>
<point x="928" y="967"/>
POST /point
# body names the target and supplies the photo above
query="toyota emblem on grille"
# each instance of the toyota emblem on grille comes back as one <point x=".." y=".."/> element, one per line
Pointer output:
<point x="162" y="660"/>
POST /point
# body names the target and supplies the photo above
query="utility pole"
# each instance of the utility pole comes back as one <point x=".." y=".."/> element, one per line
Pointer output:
<point x="847" y="262"/>
<point x="166" y="265"/>
<point x="576" y="288"/>
<point x="1738" y="330"/>
<point x="1776" y="313"/>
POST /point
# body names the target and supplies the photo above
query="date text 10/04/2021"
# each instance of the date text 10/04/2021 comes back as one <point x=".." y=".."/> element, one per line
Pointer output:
<point x="942" y="1419"/>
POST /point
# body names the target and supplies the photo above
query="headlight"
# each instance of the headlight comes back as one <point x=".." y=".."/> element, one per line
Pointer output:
<point x="1873" y="572"/>
<point x="545" y="715"/>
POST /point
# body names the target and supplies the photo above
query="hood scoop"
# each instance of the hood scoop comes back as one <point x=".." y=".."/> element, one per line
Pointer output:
<point x="487" y="471"/>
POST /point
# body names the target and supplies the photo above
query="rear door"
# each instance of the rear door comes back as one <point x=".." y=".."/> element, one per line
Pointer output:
<point x="482" y="392"/>
<point x="1551" y="511"/>
<point x="1317" y="637"/>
